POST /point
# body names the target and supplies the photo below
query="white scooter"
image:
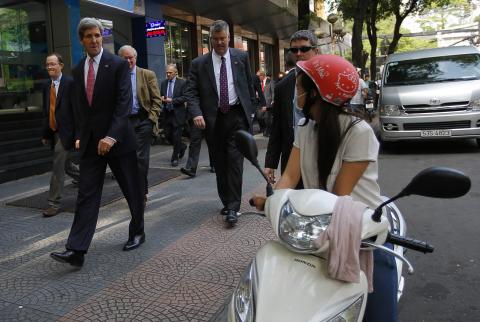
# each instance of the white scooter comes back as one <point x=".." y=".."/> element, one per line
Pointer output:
<point x="288" y="279"/>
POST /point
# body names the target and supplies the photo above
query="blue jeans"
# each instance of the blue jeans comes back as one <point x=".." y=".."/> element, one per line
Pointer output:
<point x="382" y="303"/>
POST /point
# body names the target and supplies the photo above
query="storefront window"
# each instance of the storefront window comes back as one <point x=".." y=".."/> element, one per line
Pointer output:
<point x="206" y="46"/>
<point x="249" y="47"/>
<point x="178" y="46"/>
<point x="23" y="47"/>
<point x="266" y="58"/>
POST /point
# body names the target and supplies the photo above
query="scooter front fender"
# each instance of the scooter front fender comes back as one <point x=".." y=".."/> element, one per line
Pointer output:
<point x="296" y="287"/>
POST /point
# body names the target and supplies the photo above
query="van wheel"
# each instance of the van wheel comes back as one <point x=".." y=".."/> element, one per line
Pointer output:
<point x="387" y="146"/>
<point x="478" y="143"/>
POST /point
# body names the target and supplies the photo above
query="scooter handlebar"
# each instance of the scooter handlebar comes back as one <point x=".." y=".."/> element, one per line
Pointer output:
<point x="410" y="243"/>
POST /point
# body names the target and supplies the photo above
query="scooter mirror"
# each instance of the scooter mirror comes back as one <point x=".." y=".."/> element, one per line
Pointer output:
<point x="438" y="182"/>
<point x="247" y="146"/>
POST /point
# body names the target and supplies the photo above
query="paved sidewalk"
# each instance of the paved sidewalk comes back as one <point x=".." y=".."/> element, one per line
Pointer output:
<point x="186" y="270"/>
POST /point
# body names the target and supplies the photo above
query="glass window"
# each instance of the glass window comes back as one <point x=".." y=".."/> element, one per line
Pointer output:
<point x="178" y="49"/>
<point x="206" y="46"/>
<point x="433" y="69"/>
<point x="249" y="47"/>
<point x="266" y="58"/>
<point x="23" y="48"/>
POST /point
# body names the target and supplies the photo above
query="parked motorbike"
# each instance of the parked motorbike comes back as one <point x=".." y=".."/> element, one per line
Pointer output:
<point x="288" y="279"/>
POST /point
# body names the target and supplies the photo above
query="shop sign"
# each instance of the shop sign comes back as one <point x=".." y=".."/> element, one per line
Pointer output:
<point x="155" y="29"/>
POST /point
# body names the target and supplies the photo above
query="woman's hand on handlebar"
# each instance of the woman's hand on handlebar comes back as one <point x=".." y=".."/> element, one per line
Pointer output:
<point x="258" y="202"/>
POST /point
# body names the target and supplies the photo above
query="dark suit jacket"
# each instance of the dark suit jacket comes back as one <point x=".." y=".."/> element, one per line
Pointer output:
<point x="111" y="105"/>
<point x="202" y="96"/>
<point x="281" y="136"/>
<point x="257" y="86"/>
<point x="178" y="98"/>
<point x="63" y="112"/>
<point x="268" y="92"/>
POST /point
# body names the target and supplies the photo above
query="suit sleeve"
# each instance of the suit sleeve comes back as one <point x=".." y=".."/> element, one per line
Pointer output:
<point x="274" y="148"/>
<point x="67" y="114"/>
<point x="192" y="91"/>
<point x="123" y="102"/>
<point x="154" y="93"/>
<point x="258" y="89"/>
<point x="180" y="99"/>
<point x="251" y="89"/>
<point x="46" y="133"/>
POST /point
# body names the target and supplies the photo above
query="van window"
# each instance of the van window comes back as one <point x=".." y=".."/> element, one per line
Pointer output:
<point x="433" y="69"/>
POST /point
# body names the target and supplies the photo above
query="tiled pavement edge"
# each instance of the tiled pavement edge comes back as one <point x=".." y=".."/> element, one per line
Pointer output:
<point x="186" y="271"/>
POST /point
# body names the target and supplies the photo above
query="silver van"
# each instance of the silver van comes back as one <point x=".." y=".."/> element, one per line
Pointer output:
<point x="433" y="93"/>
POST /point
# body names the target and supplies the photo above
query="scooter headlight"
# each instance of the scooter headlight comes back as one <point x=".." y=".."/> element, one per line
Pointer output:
<point x="350" y="314"/>
<point x="244" y="295"/>
<point x="299" y="231"/>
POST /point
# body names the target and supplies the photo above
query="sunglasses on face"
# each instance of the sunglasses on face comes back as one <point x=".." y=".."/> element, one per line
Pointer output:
<point x="303" y="49"/>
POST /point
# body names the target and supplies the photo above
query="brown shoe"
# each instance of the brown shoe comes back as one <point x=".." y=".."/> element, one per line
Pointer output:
<point x="51" y="211"/>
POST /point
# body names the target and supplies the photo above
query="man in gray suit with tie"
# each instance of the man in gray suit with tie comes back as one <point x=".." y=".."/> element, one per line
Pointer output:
<point x="220" y="98"/>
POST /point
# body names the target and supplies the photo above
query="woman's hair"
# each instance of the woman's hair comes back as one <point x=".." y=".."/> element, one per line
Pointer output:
<point x="329" y="135"/>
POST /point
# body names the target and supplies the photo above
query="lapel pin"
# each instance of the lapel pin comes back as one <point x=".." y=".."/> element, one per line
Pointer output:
<point x="106" y="66"/>
<point x="235" y="62"/>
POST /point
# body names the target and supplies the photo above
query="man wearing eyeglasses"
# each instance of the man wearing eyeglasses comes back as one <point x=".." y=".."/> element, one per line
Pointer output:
<point x="58" y="129"/>
<point x="303" y="44"/>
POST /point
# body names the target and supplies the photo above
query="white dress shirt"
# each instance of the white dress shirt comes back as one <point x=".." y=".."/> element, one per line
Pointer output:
<point x="96" y="63"/>
<point x="217" y="63"/>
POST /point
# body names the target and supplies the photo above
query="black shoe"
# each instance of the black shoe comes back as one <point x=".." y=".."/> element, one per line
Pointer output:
<point x="212" y="169"/>
<point x="224" y="211"/>
<point x="135" y="242"/>
<point x="174" y="163"/>
<point x="232" y="217"/>
<point x="191" y="172"/>
<point x="69" y="256"/>
<point x="182" y="151"/>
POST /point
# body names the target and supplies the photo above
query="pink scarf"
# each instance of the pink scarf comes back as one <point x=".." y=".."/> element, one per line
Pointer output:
<point x="345" y="259"/>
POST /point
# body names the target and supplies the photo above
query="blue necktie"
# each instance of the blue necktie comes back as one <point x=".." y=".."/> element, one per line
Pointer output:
<point x="170" y="94"/>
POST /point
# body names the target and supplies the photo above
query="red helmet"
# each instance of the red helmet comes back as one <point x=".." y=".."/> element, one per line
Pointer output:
<point x="336" y="78"/>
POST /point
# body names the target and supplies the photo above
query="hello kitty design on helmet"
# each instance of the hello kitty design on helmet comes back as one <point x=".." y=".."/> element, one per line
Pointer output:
<point x="336" y="78"/>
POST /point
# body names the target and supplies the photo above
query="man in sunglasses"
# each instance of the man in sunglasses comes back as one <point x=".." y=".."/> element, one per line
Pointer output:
<point x="303" y="44"/>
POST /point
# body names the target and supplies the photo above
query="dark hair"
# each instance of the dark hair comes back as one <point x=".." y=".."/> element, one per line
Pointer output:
<point x="59" y="57"/>
<point x="327" y="127"/>
<point x="304" y="35"/>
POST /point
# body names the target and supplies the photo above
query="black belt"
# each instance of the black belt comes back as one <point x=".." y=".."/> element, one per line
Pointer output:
<point x="232" y="107"/>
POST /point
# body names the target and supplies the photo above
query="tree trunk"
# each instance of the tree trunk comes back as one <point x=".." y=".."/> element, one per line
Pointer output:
<point x="396" y="34"/>
<point x="372" y="38"/>
<point x="357" y="45"/>
<point x="303" y="14"/>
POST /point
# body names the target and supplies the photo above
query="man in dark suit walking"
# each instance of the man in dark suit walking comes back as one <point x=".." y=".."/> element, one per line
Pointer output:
<point x="58" y="129"/>
<point x="172" y="91"/>
<point x="220" y="99"/>
<point x="102" y="96"/>
<point x="145" y="109"/>
<point x="303" y="44"/>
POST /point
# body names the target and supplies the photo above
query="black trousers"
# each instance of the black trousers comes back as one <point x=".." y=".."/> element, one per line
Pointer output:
<point x="196" y="145"/>
<point x="228" y="160"/>
<point x="143" y="132"/>
<point x="90" y="186"/>
<point x="173" y="132"/>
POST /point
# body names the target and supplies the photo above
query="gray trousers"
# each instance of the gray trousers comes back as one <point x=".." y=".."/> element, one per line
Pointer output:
<point x="58" y="174"/>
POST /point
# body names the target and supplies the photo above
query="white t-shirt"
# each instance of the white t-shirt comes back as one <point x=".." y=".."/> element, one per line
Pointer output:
<point x="358" y="98"/>
<point x="359" y="144"/>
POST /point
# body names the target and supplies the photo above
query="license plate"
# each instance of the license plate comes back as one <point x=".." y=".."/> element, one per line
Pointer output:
<point x="369" y="106"/>
<point x="431" y="133"/>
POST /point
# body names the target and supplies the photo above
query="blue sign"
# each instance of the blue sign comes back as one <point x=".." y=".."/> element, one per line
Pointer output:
<point x="155" y="29"/>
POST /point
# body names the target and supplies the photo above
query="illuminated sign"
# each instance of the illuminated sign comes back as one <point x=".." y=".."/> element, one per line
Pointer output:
<point x="155" y="29"/>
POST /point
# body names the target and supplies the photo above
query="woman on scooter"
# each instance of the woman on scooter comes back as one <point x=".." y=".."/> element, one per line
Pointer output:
<point x="337" y="151"/>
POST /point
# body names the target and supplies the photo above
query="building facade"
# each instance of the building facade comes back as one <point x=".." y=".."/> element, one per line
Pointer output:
<point x="29" y="29"/>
